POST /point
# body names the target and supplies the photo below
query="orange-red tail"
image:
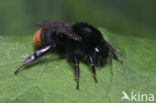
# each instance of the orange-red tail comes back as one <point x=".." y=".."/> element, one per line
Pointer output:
<point x="37" y="37"/>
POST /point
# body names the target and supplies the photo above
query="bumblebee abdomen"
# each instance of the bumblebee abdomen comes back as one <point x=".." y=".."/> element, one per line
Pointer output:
<point x="37" y="37"/>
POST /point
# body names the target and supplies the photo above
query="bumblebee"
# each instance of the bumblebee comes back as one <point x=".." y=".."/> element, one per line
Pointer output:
<point x="73" y="41"/>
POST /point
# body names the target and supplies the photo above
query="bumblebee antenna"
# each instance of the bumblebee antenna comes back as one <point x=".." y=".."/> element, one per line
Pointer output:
<point x="116" y="57"/>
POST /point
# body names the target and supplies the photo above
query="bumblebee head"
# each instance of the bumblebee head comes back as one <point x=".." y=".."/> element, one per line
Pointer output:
<point x="100" y="53"/>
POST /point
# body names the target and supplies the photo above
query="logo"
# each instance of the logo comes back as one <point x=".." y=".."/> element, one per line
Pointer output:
<point x="137" y="96"/>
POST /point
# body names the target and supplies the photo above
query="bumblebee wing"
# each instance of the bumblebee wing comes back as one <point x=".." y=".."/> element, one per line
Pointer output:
<point x="61" y="28"/>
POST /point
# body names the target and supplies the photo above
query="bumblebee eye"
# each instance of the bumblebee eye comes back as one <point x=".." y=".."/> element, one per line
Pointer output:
<point x="96" y="50"/>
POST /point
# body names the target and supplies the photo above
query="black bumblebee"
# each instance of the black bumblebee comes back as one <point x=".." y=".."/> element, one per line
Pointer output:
<point x="74" y="41"/>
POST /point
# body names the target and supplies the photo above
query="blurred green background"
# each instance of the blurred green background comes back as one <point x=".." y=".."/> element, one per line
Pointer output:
<point x="124" y="17"/>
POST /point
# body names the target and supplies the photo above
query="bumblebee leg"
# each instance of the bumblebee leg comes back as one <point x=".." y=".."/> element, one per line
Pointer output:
<point x="37" y="54"/>
<point x="76" y="71"/>
<point x="93" y="68"/>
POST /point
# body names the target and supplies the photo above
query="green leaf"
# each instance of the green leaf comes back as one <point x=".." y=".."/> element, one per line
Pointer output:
<point x="51" y="79"/>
